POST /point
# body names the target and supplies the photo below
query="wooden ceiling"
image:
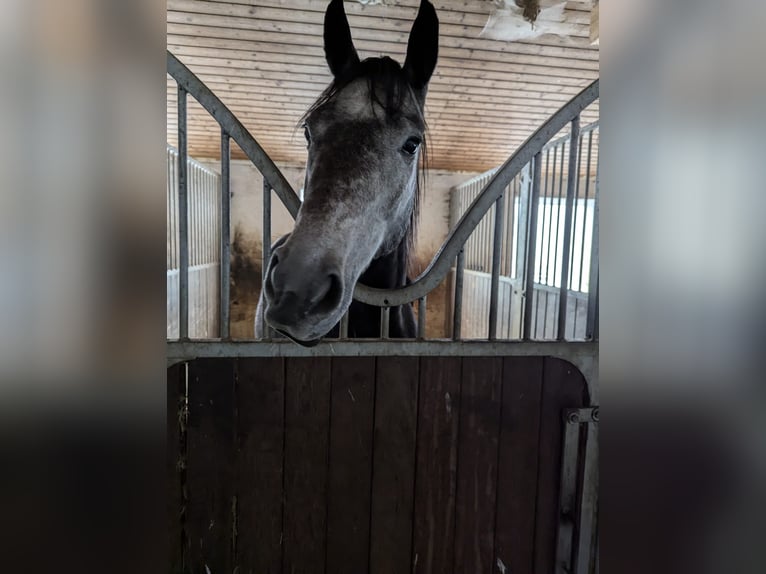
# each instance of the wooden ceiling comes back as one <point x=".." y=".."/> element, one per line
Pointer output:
<point x="265" y="60"/>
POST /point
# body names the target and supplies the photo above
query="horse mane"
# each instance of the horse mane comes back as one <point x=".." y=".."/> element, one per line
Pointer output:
<point x="388" y="85"/>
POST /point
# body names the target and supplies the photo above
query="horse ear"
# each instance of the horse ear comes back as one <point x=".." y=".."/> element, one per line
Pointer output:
<point x="338" y="46"/>
<point x="423" y="46"/>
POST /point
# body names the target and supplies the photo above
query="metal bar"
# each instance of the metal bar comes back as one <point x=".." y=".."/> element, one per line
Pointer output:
<point x="385" y="313"/>
<point x="422" y="318"/>
<point x="497" y="254"/>
<point x="458" y="306"/>
<point x="531" y="247"/>
<point x="575" y="212"/>
<point x="183" y="220"/>
<point x="575" y="136"/>
<point x="586" y="535"/>
<point x="525" y="190"/>
<point x="591" y="328"/>
<point x="225" y="234"/>
<point x="174" y="191"/>
<point x="585" y="210"/>
<point x="567" y="494"/>
<point x="266" y="245"/>
<point x="344" y="326"/>
<point x="509" y="228"/>
<point x="549" y="195"/>
<point x="486" y="240"/>
<point x="170" y="228"/>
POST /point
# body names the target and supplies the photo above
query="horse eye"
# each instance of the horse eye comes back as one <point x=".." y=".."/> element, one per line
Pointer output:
<point x="411" y="145"/>
<point x="306" y="134"/>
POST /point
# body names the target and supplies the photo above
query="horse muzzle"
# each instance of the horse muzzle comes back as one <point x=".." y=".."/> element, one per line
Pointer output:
<point x="303" y="292"/>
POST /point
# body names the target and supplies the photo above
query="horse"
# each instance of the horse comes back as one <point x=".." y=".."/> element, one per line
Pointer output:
<point x="365" y="136"/>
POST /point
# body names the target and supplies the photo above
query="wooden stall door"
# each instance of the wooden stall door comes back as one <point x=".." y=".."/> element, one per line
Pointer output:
<point x="388" y="465"/>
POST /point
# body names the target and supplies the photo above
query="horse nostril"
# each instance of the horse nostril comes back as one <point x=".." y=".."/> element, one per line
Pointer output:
<point x="330" y="296"/>
<point x="273" y="291"/>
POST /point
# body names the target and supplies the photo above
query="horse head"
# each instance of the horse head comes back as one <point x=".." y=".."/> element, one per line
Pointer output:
<point x="365" y="136"/>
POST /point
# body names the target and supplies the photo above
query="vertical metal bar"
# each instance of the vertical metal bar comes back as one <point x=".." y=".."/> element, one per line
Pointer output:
<point x="488" y="243"/>
<point x="567" y="493"/>
<point x="422" y="317"/>
<point x="591" y="328"/>
<point x="385" y="313"/>
<point x="183" y="220"/>
<point x="588" y="506"/>
<point x="572" y="174"/>
<point x="458" y="306"/>
<point x="548" y="194"/>
<point x="169" y="208"/>
<point x="585" y="209"/>
<point x="225" y="233"/>
<point x="497" y="254"/>
<point x="266" y="244"/>
<point x="534" y="202"/>
<point x="525" y="190"/>
<point x="344" y="326"/>
<point x="174" y="210"/>
<point x="560" y="195"/>
<point x="576" y="210"/>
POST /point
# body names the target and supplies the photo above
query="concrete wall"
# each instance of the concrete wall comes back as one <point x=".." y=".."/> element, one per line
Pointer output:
<point x="247" y="218"/>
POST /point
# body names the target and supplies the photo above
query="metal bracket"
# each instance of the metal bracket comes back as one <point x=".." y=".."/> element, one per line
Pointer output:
<point x="581" y="416"/>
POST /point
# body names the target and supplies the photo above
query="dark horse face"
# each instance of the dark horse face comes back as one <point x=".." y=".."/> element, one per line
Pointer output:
<point x="364" y="138"/>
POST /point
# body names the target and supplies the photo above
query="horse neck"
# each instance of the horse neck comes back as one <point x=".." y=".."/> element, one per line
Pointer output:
<point x="389" y="271"/>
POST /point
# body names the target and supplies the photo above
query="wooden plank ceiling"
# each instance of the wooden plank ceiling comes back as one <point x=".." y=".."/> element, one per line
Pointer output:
<point x="265" y="60"/>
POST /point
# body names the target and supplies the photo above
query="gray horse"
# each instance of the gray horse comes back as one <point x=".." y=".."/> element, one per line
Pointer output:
<point x="365" y="136"/>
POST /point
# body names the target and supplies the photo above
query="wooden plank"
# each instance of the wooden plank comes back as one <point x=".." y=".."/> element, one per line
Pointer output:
<point x="228" y="54"/>
<point x="258" y="68"/>
<point x="210" y="465"/>
<point x="365" y="40"/>
<point x="517" y="465"/>
<point x="563" y="387"/>
<point x="396" y="402"/>
<point x="176" y="398"/>
<point x="350" y="471"/>
<point x="436" y="466"/>
<point x="189" y="35"/>
<point x="378" y="30"/>
<point x="477" y="464"/>
<point x="260" y="440"/>
<point x="307" y="432"/>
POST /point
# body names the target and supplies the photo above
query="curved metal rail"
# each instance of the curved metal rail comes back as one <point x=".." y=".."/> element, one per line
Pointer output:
<point x="442" y="262"/>
<point x="185" y="78"/>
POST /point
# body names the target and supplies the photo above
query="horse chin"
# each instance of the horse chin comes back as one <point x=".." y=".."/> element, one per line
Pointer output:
<point x="309" y="344"/>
